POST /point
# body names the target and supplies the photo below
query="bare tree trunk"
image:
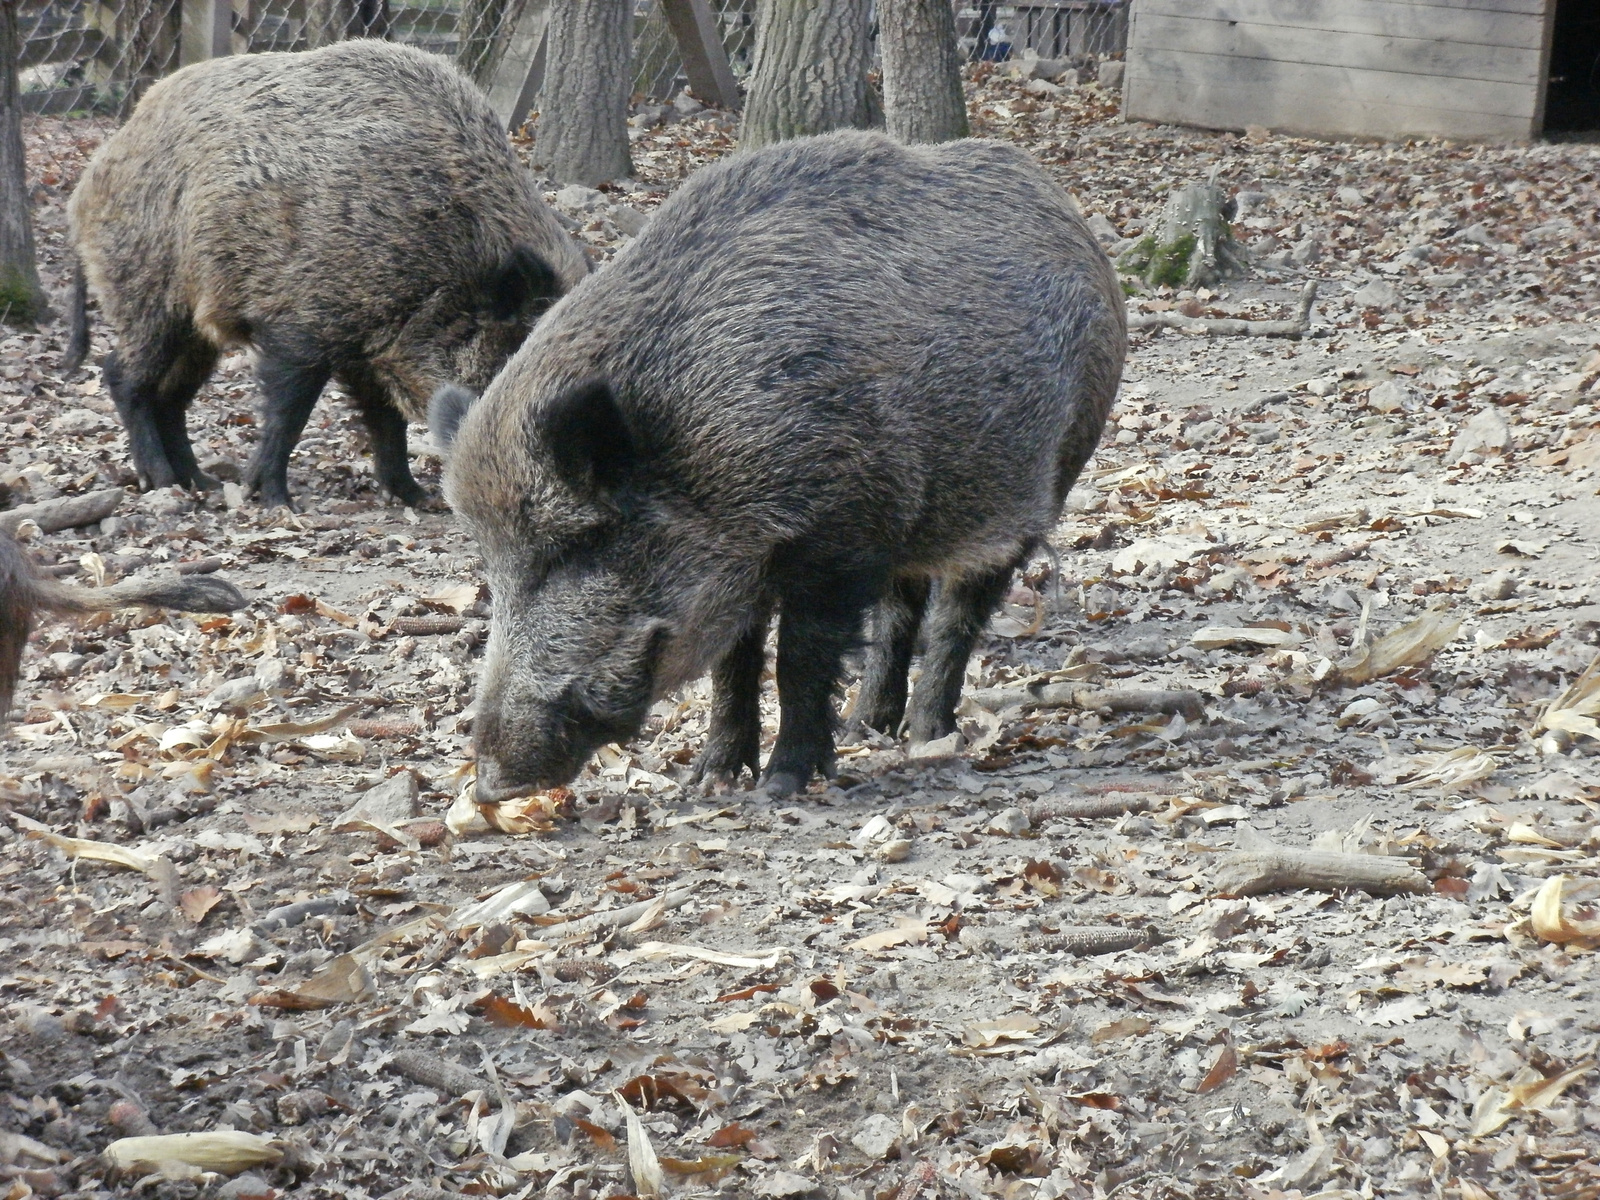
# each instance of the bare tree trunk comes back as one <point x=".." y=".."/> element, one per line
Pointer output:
<point x="582" y="136"/>
<point x="484" y="28"/>
<point x="329" y="21"/>
<point x="21" y="297"/>
<point x="810" y="70"/>
<point x="922" y="96"/>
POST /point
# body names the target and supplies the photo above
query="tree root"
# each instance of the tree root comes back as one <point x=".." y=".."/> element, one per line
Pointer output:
<point x="1232" y="326"/>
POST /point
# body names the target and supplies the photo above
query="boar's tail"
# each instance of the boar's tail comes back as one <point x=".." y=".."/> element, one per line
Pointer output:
<point x="77" y="322"/>
<point x="24" y="592"/>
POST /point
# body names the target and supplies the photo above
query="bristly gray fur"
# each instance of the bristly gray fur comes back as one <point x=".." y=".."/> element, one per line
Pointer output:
<point x="826" y="370"/>
<point x="355" y="210"/>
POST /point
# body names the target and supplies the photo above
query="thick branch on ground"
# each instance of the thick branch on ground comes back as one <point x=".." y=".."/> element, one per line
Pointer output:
<point x="618" y="918"/>
<point x="1072" y="695"/>
<point x="1116" y="804"/>
<point x="1280" y="869"/>
<point x="432" y="1071"/>
<point x="1231" y="326"/>
<point x="1101" y="939"/>
<point x="68" y="512"/>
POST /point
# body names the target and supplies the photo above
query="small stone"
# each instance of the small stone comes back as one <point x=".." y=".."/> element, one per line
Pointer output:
<point x="786" y="1183"/>
<point x="1110" y="74"/>
<point x="1388" y="397"/>
<point x="1104" y="231"/>
<point x="578" y="198"/>
<point x="1350" y="197"/>
<point x="389" y="803"/>
<point x="232" y="495"/>
<point x="1377" y="293"/>
<point x="1477" y="235"/>
<point x="1305" y="251"/>
<point x="1042" y="88"/>
<point x="1501" y="585"/>
<point x="628" y="219"/>
<point x="248" y="1186"/>
<point x="1008" y="822"/>
<point x="64" y="665"/>
<point x="878" y="1137"/>
<point x="1485" y="433"/>
<point x="224" y="469"/>
<point x="235" y="693"/>
<point x="686" y="105"/>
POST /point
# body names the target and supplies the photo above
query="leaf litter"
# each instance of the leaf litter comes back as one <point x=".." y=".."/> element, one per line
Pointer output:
<point x="1014" y="965"/>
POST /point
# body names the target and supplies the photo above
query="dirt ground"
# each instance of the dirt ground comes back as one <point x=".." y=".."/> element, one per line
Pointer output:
<point x="930" y="978"/>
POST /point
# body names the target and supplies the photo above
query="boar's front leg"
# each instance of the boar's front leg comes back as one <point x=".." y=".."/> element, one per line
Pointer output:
<point x="386" y="429"/>
<point x="290" y="390"/>
<point x="734" y="739"/>
<point x="955" y="619"/>
<point x="881" y="703"/>
<point x="133" y="374"/>
<point x="820" y="621"/>
<point x="188" y="373"/>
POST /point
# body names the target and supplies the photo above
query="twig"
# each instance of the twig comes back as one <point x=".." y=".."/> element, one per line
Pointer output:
<point x="288" y="915"/>
<point x="426" y="626"/>
<point x="1344" y="554"/>
<point x="616" y="918"/>
<point x="1280" y="869"/>
<point x="1085" y="807"/>
<point x="67" y="512"/>
<point x="1232" y="326"/>
<point x="432" y="1071"/>
<point x="1072" y="695"/>
<point x="1101" y="939"/>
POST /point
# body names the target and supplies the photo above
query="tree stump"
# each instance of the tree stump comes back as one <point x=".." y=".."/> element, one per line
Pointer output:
<point x="1192" y="245"/>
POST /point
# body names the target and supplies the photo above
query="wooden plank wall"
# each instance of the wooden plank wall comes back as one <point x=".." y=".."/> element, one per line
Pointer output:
<point x="1471" y="69"/>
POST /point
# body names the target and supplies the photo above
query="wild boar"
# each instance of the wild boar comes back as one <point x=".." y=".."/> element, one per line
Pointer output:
<point x="23" y="592"/>
<point x="354" y="212"/>
<point x="829" y="375"/>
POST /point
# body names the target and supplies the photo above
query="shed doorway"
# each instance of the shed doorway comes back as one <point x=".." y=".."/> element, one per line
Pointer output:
<point x="1572" y="102"/>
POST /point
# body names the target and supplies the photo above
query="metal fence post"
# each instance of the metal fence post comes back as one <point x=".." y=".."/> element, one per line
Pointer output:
<point x="514" y="88"/>
<point x="206" y="30"/>
<point x="705" y="60"/>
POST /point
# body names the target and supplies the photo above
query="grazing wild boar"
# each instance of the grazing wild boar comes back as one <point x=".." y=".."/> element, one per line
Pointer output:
<point x="829" y="374"/>
<point x="23" y="593"/>
<point x="354" y="212"/>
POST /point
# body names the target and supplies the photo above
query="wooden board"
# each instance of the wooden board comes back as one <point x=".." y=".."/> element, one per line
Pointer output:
<point x="1470" y="69"/>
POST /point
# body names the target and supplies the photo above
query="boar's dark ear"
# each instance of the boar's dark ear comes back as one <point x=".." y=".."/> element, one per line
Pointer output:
<point x="522" y="285"/>
<point x="445" y="413"/>
<point x="589" y="438"/>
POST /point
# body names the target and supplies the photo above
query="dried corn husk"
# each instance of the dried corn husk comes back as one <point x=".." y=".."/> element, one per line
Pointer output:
<point x="1575" y="709"/>
<point x="226" y="1151"/>
<point x="1413" y="643"/>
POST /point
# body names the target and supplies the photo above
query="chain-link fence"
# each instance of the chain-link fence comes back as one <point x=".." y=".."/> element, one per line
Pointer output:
<point x="100" y="55"/>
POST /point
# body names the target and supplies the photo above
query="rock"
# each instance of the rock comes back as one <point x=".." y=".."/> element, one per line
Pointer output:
<point x="686" y="105"/>
<point x="224" y="469"/>
<point x="1305" y="251"/>
<point x="786" y="1183"/>
<point x="248" y="1186"/>
<point x="1110" y="74"/>
<point x="232" y="495"/>
<point x="1377" y="293"/>
<point x="1104" y="231"/>
<point x="1245" y="203"/>
<point x="628" y="219"/>
<point x="1008" y="822"/>
<point x="274" y="677"/>
<point x="392" y="802"/>
<point x="1350" y="197"/>
<point x="577" y="198"/>
<point x="1043" y="89"/>
<point x="1501" y="585"/>
<point x="1487" y="432"/>
<point x="1388" y="397"/>
<point x="878" y="1136"/>
<point x="1477" y="235"/>
<point x="164" y="502"/>
<point x="64" y="665"/>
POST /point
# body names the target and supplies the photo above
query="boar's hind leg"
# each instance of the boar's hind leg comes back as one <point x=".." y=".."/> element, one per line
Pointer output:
<point x="734" y="740"/>
<point x="290" y="390"/>
<point x="881" y="703"/>
<point x="957" y="616"/>
<point x="188" y="374"/>
<point x="386" y="429"/>
<point x="821" y="620"/>
<point x="134" y="373"/>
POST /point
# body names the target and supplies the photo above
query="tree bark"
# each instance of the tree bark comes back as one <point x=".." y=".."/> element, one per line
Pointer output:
<point x="810" y="70"/>
<point x="922" y="96"/>
<point x="21" y="298"/>
<point x="582" y="136"/>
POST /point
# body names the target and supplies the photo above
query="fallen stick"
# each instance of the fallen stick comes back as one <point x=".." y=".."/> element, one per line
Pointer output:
<point x="1101" y="939"/>
<point x="1345" y="554"/>
<point x="68" y="512"/>
<point x="1231" y="326"/>
<point x="432" y="1071"/>
<point x="1281" y="869"/>
<point x="198" y="566"/>
<point x="616" y="918"/>
<point x="287" y="916"/>
<point x="1072" y="695"/>
<point x="426" y="626"/>
<point x="1081" y="807"/>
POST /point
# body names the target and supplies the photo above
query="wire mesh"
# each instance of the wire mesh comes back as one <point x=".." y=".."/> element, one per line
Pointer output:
<point x="100" y="55"/>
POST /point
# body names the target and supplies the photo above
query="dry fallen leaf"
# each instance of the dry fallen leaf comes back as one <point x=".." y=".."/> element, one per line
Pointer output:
<point x="1550" y="924"/>
<point x="1223" y="1068"/>
<point x="1116" y="1030"/>
<point x="508" y="1014"/>
<point x="1010" y="1028"/>
<point x="648" y="1179"/>
<point x="906" y="932"/>
<point x="227" y="1151"/>
<point x="344" y="980"/>
<point x="88" y="850"/>
<point x="197" y="902"/>
<point x="1575" y="709"/>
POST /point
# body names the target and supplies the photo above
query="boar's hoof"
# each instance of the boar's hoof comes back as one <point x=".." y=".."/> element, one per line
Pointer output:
<point x="725" y="762"/>
<point x="407" y="492"/>
<point x="783" y="783"/>
<point x="199" y="481"/>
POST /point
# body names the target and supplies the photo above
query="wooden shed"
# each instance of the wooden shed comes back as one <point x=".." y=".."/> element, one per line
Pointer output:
<point x="1487" y="70"/>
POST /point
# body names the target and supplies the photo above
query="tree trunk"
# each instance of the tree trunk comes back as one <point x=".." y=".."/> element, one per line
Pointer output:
<point x="922" y="96"/>
<point x="582" y="136"/>
<point x="810" y="70"/>
<point x="21" y="297"/>
<point x="485" y="27"/>
<point x="329" y="21"/>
